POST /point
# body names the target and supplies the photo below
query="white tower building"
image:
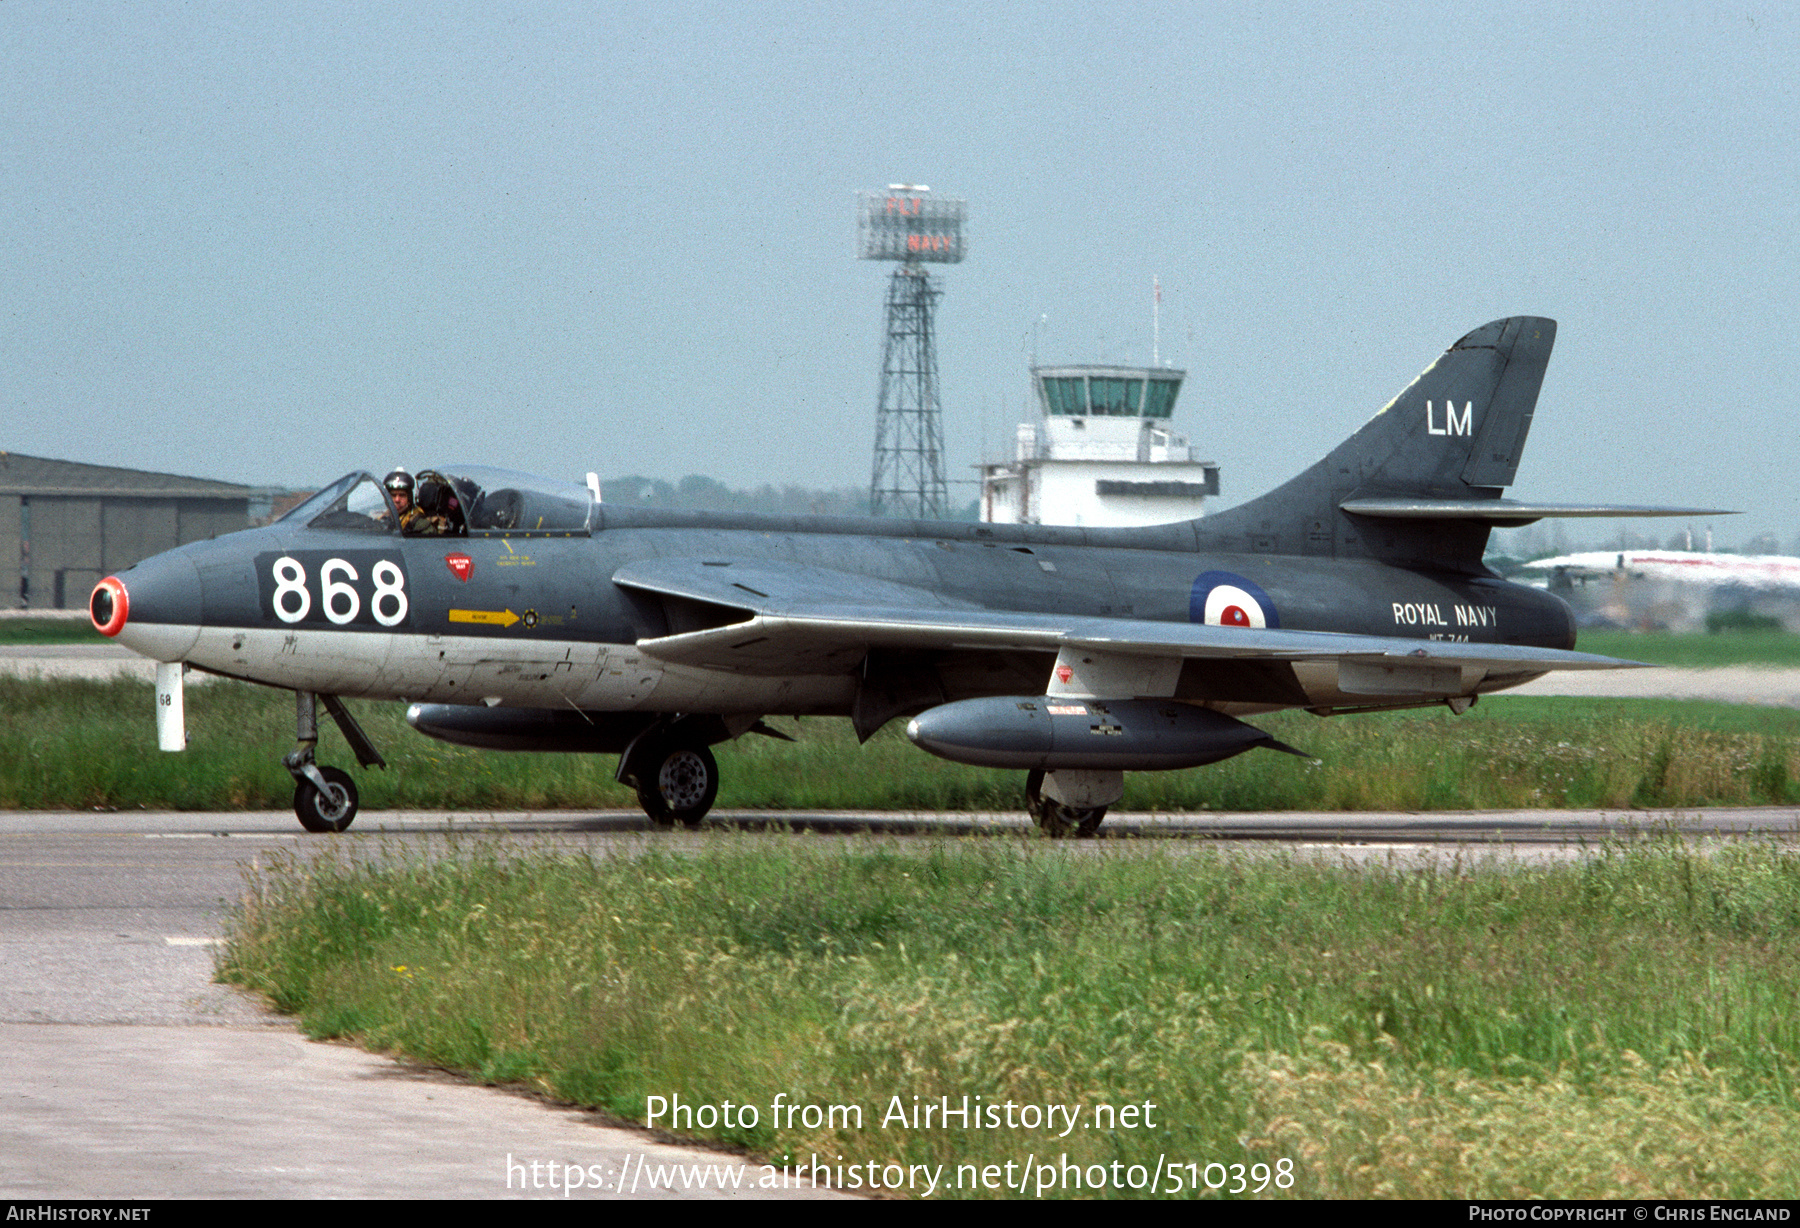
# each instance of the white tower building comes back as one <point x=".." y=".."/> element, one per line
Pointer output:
<point x="1102" y="454"/>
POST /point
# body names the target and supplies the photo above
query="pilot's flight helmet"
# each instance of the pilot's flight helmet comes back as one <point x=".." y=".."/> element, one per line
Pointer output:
<point x="399" y="480"/>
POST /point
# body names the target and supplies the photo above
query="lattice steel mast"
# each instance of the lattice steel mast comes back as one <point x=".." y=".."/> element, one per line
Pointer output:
<point x="909" y="437"/>
<point x="908" y="225"/>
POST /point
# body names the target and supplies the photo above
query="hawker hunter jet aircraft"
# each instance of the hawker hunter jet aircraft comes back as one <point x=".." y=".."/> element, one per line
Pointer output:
<point x="539" y="618"/>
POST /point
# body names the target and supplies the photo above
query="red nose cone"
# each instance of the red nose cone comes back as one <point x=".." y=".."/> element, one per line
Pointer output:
<point x="109" y="606"/>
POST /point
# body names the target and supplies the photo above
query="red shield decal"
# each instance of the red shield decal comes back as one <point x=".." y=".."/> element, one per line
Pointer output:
<point x="1064" y="673"/>
<point x="461" y="564"/>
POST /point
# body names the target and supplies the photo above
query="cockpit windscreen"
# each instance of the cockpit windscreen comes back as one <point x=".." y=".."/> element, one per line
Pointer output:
<point x="453" y="501"/>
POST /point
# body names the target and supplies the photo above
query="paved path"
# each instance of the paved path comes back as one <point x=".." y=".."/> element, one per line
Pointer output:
<point x="76" y="661"/>
<point x="129" y="1074"/>
<point x="1735" y="684"/>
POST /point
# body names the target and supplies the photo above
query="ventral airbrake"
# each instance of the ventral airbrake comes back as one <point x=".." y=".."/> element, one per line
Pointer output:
<point x="540" y="618"/>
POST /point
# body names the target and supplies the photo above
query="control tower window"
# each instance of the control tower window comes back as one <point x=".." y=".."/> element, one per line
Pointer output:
<point x="1116" y="398"/>
<point x="1161" y="401"/>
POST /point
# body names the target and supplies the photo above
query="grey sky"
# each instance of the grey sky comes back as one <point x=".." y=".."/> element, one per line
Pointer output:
<point x="274" y="243"/>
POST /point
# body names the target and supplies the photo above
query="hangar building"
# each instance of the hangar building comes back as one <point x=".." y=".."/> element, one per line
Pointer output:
<point x="64" y="525"/>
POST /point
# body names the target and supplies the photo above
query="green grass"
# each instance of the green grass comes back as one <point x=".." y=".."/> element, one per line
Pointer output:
<point x="1624" y="1027"/>
<point x="49" y="631"/>
<point x="1701" y="714"/>
<point x="1698" y="651"/>
<point x="77" y="745"/>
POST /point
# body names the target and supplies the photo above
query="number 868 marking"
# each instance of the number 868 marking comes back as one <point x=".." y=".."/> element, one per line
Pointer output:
<point x="339" y="600"/>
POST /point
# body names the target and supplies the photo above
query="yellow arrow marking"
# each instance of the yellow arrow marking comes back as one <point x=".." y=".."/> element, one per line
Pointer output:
<point x="493" y="618"/>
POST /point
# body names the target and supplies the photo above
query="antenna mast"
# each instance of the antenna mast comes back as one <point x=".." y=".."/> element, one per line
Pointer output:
<point x="1155" y="321"/>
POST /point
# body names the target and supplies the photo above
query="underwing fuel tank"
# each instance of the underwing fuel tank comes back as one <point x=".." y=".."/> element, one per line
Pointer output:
<point x="546" y="729"/>
<point x="1051" y="733"/>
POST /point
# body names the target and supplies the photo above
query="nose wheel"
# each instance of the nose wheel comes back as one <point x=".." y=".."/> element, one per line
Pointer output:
<point x="331" y="809"/>
<point x="325" y="798"/>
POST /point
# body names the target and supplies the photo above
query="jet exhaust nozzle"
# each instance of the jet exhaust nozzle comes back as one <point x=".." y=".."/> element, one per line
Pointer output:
<point x="1051" y="733"/>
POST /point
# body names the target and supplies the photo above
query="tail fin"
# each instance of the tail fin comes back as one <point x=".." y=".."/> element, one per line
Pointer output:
<point x="1455" y="433"/>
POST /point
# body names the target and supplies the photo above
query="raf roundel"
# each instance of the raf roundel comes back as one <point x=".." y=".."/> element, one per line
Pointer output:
<point x="1221" y="599"/>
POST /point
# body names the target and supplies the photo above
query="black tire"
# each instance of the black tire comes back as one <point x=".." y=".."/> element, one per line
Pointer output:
<point x="317" y="814"/>
<point x="1056" y="820"/>
<point x="679" y="785"/>
<point x="1061" y="822"/>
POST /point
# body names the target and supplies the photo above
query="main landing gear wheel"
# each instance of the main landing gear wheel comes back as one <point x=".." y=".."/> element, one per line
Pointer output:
<point x="1056" y="820"/>
<point x="679" y="785"/>
<point x="320" y="813"/>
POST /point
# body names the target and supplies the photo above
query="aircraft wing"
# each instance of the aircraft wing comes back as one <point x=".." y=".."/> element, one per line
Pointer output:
<point x="778" y="619"/>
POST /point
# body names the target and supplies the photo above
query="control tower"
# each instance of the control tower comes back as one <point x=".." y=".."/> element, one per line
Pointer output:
<point x="908" y="225"/>
<point x="1103" y="453"/>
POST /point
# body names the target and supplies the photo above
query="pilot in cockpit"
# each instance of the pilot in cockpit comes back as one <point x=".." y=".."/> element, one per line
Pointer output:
<point x="437" y="513"/>
<point x="399" y="485"/>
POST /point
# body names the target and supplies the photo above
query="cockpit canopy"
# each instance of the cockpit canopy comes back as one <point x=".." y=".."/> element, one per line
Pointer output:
<point x="453" y="501"/>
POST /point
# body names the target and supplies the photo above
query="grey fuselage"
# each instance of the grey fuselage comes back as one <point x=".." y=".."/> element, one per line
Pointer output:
<point x="535" y="619"/>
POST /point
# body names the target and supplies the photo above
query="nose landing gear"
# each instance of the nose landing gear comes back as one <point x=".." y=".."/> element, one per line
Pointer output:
<point x="325" y="798"/>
